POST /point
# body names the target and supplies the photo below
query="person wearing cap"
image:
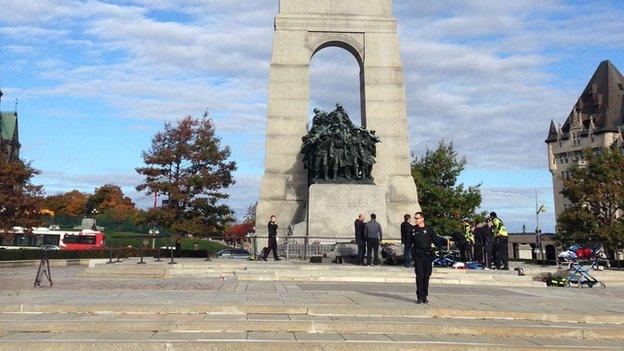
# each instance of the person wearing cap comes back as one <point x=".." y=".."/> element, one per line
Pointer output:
<point x="500" y="242"/>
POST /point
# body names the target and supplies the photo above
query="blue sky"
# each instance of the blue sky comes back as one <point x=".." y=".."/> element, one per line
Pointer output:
<point x="96" y="79"/>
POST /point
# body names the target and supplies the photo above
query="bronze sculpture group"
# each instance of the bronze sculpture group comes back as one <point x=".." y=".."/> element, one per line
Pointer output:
<point x="336" y="150"/>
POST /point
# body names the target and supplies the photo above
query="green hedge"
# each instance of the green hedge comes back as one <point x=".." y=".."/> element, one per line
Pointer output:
<point x="30" y="254"/>
<point x="186" y="243"/>
<point x="26" y="254"/>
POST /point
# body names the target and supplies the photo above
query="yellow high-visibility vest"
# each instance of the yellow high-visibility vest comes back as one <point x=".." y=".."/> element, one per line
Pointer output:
<point x="499" y="228"/>
<point x="468" y="235"/>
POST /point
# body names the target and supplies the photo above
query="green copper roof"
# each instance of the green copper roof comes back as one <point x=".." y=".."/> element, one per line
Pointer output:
<point x="8" y="125"/>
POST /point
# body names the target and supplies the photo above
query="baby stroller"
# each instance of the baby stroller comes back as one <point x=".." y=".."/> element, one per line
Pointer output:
<point x="579" y="274"/>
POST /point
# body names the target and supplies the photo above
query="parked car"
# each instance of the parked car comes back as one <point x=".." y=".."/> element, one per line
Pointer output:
<point x="241" y="254"/>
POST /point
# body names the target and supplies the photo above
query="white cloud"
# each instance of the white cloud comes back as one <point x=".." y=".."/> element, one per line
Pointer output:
<point x="516" y="207"/>
<point x="480" y="66"/>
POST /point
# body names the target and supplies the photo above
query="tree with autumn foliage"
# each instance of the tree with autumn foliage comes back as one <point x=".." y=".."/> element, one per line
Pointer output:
<point x="595" y="190"/>
<point x="236" y="233"/>
<point x="109" y="199"/>
<point x="20" y="200"/>
<point x="188" y="167"/>
<point x="71" y="204"/>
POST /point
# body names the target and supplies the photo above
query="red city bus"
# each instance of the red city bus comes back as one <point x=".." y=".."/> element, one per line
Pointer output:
<point x="83" y="240"/>
<point x="54" y="239"/>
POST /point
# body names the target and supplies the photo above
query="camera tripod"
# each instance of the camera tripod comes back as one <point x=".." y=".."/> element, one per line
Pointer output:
<point x="44" y="269"/>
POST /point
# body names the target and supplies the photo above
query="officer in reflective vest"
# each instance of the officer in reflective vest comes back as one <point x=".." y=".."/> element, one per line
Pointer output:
<point x="469" y="237"/>
<point x="500" y="242"/>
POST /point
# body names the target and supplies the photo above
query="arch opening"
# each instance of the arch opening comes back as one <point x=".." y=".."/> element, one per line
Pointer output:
<point x="335" y="78"/>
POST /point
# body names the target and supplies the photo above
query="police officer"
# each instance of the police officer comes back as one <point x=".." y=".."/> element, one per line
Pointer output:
<point x="272" y="239"/>
<point x="469" y="239"/>
<point x="406" y="240"/>
<point x="500" y="241"/>
<point x="488" y="243"/>
<point x="479" y="240"/>
<point x="423" y="237"/>
<point x="360" y="240"/>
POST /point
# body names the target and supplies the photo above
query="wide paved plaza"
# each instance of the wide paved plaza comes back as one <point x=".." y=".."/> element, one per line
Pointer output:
<point x="184" y="313"/>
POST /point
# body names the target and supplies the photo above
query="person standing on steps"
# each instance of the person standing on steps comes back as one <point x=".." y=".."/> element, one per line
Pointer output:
<point x="469" y="239"/>
<point x="488" y="244"/>
<point x="500" y="242"/>
<point x="406" y="240"/>
<point x="423" y="237"/>
<point x="373" y="235"/>
<point x="359" y="238"/>
<point x="272" y="239"/>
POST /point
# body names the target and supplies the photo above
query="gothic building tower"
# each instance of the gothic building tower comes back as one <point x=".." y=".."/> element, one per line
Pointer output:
<point x="595" y="122"/>
<point x="9" y="138"/>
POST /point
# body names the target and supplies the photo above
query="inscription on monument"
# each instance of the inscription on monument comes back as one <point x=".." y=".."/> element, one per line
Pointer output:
<point x="334" y="207"/>
<point x="333" y="202"/>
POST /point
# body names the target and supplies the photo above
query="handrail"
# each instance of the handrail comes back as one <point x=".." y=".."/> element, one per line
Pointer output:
<point x="110" y="258"/>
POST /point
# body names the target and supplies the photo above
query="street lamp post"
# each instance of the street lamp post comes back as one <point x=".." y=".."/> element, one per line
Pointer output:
<point x="538" y="231"/>
<point x="154" y="232"/>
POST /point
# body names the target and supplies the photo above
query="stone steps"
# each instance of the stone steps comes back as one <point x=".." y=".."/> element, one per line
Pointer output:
<point x="258" y="331"/>
<point x="318" y="310"/>
<point x="254" y="343"/>
<point x="298" y="272"/>
<point x="286" y="277"/>
<point x="307" y="324"/>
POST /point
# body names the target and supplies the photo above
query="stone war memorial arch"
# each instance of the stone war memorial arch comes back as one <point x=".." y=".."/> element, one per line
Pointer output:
<point x="367" y="29"/>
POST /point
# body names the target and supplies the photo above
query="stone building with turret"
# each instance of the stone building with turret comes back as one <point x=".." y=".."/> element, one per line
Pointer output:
<point x="595" y="122"/>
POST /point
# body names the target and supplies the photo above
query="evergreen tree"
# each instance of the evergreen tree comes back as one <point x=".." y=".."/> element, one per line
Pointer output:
<point x="443" y="201"/>
<point x="188" y="166"/>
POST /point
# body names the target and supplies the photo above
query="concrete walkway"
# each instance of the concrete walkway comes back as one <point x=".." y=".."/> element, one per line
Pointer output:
<point x="188" y="314"/>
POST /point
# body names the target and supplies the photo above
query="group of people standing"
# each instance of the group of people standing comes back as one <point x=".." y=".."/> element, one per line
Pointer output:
<point x="367" y="237"/>
<point x="417" y="239"/>
<point x="486" y="243"/>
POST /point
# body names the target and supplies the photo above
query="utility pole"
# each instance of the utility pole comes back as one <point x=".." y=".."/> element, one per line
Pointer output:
<point x="538" y="232"/>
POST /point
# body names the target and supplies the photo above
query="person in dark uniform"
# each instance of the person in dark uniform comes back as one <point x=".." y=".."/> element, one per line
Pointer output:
<point x="500" y="241"/>
<point x="488" y="244"/>
<point x="478" y="245"/>
<point x="359" y="238"/>
<point x="272" y="239"/>
<point x="406" y="240"/>
<point x="423" y="237"/>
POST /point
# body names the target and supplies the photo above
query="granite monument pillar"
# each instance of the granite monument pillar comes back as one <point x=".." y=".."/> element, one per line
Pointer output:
<point x="368" y="30"/>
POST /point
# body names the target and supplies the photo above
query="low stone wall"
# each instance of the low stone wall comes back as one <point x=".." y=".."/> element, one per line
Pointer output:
<point x="53" y="263"/>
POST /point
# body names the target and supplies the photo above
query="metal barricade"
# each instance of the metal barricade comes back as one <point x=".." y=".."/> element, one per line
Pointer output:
<point x="301" y="247"/>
